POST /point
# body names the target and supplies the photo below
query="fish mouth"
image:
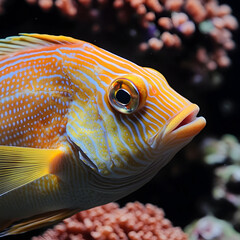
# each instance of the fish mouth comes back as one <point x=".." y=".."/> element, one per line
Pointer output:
<point x="185" y="124"/>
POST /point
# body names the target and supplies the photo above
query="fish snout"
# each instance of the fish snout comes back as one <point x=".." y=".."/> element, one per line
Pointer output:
<point x="185" y="124"/>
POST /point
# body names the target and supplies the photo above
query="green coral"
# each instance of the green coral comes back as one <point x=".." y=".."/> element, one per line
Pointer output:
<point x="211" y="228"/>
<point x="217" y="151"/>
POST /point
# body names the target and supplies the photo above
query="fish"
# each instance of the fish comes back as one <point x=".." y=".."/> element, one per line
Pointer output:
<point x="80" y="127"/>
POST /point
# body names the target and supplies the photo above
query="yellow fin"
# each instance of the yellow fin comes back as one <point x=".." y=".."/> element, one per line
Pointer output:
<point x="26" y="41"/>
<point x="20" y="165"/>
<point x="38" y="221"/>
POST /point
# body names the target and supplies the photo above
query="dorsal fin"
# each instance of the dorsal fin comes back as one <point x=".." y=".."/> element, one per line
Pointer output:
<point x="26" y="41"/>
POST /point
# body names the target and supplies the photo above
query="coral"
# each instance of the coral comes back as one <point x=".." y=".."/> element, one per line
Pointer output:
<point x="226" y="153"/>
<point x="211" y="228"/>
<point x="227" y="148"/>
<point x="223" y="155"/>
<point x="167" y="23"/>
<point x="135" y="221"/>
<point x="227" y="178"/>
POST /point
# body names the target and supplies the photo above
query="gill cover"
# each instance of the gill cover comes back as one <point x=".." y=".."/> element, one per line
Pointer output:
<point x="92" y="125"/>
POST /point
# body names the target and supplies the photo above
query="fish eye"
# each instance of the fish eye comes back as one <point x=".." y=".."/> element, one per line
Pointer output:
<point x="124" y="95"/>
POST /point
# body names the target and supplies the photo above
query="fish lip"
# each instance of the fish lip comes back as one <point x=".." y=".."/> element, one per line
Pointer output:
<point x="186" y="123"/>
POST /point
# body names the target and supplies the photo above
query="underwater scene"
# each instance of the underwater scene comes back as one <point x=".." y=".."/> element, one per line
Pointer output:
<point x="94" y="143"/>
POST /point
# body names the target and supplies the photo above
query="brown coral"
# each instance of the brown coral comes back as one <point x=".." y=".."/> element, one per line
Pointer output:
<point x="135" y="221"/>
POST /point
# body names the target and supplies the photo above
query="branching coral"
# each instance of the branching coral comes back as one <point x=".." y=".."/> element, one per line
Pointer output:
<point x="135" y="221"/>
<point x="211" y="228"/>
<point x="169" y="24"/>
<point x="220" y="151"/>
<point x="226" y="153"/>
<point x="224" y="156"/>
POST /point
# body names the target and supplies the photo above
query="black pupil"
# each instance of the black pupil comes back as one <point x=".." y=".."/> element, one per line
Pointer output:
<point x="123" y="96"/>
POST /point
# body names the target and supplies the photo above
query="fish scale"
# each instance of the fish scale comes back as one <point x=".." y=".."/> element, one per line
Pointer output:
<point x="33" y="105"/>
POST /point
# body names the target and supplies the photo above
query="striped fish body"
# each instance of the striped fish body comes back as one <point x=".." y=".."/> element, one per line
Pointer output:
<point x="80" y="127"/>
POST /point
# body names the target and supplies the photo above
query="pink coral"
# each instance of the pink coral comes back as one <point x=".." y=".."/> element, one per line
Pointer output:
<point x="135" y="221"/>
<point x="167" y="23"/>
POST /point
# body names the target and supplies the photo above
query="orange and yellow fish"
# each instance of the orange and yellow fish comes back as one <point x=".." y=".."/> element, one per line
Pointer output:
<point x="80" y="127"/>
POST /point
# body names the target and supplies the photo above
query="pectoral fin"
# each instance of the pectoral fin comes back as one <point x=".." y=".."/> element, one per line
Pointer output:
<point x="20" y="165"/>
<point x="38" y="221"/>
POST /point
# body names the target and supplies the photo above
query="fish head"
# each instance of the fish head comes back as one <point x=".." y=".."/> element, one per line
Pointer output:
<point x="133" y="122"/>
